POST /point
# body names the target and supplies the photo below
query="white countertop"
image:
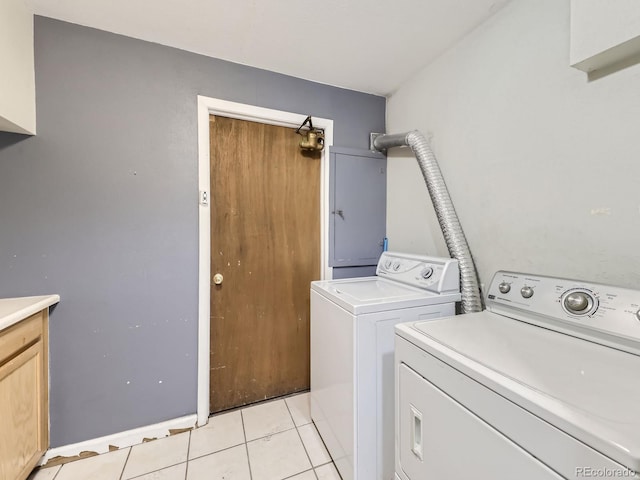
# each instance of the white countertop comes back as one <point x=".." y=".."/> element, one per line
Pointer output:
<point x="12" y="310"/>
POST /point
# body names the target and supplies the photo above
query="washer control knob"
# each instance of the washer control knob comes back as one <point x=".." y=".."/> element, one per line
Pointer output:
<point x="426" y="273"/>
<point x="577" y="302"/>
<point x="526" y="292"/>
<point x="638" y="314"/>
<point x="504" y="287"/>
<point x="387" y="264"/>
<point x="396" y="266"/>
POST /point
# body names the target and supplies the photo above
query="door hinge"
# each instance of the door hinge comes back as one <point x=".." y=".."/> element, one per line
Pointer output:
<point x="204" y="197"/>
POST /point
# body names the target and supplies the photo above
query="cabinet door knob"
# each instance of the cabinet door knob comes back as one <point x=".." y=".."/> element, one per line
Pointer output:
<point x="218" y="278"/>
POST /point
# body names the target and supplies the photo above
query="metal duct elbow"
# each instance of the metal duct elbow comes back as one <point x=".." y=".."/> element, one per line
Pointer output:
<point x="447" y="217"/>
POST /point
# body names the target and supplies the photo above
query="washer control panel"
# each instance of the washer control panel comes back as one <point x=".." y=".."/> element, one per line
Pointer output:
<point x="436" y="274"/>
<point x="581" y="308"/>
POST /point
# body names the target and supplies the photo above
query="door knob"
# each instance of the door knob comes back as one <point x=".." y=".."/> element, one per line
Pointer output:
<point x="217" y="279"/>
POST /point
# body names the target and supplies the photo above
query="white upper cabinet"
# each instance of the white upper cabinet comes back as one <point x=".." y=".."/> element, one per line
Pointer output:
<point x="604" y="33"/>
<point x="17" y="76"/>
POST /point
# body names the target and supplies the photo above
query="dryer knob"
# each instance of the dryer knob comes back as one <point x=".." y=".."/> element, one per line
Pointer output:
<point x="526" y="292"/>
<point x="638" y="314"/>
<point x="504" y="287"/>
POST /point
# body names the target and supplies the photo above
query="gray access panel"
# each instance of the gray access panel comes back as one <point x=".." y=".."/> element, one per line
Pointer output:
<point x="358" y="204"/>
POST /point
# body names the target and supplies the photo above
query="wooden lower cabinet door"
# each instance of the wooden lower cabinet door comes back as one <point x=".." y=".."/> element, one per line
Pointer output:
<point x="22" y="436"/>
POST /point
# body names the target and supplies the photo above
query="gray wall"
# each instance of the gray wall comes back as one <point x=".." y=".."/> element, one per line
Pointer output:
<point x="541" y="163"/>
<point x="101" y="207"/>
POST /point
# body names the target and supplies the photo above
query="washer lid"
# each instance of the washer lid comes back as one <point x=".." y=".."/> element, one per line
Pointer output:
<point x="588" y="390"/>
<point x="373" y="294"/>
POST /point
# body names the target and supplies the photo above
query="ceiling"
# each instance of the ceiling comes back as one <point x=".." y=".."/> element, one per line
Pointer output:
<point x="366" y="45"/>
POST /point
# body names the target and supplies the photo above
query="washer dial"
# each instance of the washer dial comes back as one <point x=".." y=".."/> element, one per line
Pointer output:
<point x="504" y="287"/>
<point x="526" y="292"/>
<point x="426" y="273"/>
<point x="579" y="302"/>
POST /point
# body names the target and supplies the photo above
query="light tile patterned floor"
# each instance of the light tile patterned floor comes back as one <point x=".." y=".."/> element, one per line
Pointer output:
<point x="270" y="441"/>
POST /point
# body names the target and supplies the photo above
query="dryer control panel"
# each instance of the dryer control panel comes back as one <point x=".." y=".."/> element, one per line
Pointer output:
<point x="436" y="274"/>
<point x="603" y="313"/>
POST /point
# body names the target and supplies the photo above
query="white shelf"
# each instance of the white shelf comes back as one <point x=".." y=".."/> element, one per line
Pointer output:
<point x="17" y="82"/>
<point x="604" y="33"/>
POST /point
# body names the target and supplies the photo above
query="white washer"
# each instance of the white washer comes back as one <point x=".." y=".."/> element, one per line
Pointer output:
<point x="352" y="341"/>
<point x="542" y="385"/>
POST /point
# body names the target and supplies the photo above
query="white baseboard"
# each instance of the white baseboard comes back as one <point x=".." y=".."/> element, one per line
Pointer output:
<point x="120" y="440"/>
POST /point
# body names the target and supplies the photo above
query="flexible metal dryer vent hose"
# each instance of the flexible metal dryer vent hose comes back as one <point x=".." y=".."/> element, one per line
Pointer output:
<point x="447" y="217"/>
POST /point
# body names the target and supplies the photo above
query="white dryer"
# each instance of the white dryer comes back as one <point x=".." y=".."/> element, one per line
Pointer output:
<point x="352" y="342"/>
<point x="542" y="385"/>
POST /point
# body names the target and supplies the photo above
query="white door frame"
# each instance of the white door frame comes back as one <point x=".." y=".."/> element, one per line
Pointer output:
<point x="211" y="106"/>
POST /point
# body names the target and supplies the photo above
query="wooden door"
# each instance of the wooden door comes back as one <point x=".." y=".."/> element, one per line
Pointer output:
<point x="265" y="242"/>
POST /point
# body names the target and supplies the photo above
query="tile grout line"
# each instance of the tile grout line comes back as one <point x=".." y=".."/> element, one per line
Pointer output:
<point x="330" y="462"/>
<point x="155" y="471"/>
<point x="216" y="451"/>
<point x="313" y="467"/>
<point x="124" y="465"/>
<point x="326" y="449"/>
<point x="304" y="471"/>
<point x="258" y="404"/>
<point x="186" y="468"/>
<point x="159" y="469"/>
<point x="58" y="472"/>
<point x="246" y="445"/>
<point x="300" y="437"/>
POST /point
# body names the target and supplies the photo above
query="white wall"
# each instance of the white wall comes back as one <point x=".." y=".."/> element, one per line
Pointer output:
<point x="543" y="166"/>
